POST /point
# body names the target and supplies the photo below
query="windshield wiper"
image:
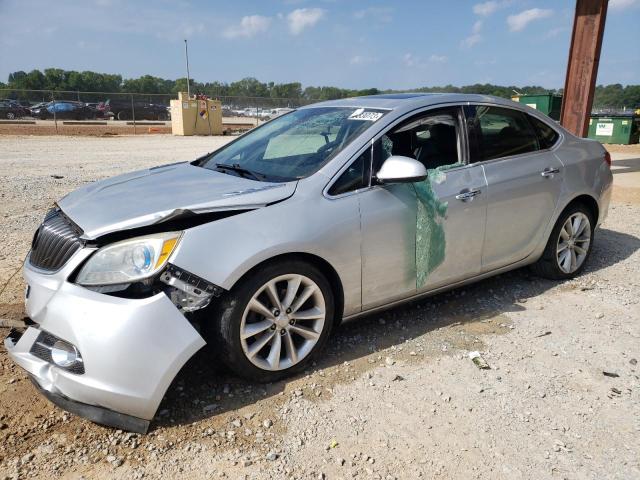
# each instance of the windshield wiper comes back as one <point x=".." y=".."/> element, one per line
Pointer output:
<point x="235" y="167"/>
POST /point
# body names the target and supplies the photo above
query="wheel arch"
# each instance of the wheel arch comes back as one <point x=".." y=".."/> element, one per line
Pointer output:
<point x="321" y="264"/>
<point x="588" y="201"/>
<point x="581" y="199"/>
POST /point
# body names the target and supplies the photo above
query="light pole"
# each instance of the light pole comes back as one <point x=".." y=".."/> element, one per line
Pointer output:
<point x="186" y="56"/>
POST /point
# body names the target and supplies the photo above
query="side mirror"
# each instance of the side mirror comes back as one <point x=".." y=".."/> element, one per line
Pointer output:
<point x="399" y="169"/>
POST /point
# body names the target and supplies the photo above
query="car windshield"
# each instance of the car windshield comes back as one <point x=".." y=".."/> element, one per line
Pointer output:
<point x="294" y="145"/>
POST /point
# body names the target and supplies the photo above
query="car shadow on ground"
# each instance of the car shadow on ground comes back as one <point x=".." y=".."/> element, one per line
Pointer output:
<point x="628" y="165"/>
<point x="204" y="388"/>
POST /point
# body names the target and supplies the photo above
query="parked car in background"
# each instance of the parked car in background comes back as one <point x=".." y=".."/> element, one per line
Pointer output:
<point x="102" y="110"/>
<point x="21" y="105"/>
<point x="35" y="106"/>
<point x="276" y="112"/>
<point x="330" y="212"/>
<point x="94" y="108"/>
<point x="11" y="110"/>
<point x="124" y="110"/>
<point x="64" y="110"/>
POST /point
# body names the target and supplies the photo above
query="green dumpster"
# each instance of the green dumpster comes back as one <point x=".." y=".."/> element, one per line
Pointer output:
<point x="548" y="103"/>
<point x="619" y="129"/>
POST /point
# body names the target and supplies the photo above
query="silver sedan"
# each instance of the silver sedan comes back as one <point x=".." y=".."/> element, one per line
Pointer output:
<point x="326" y="213"/>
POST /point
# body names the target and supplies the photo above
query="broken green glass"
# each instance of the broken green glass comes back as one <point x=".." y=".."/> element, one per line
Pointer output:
<point x="430" y="237"/>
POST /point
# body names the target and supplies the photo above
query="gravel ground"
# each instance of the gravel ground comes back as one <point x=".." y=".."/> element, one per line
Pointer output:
<point x="396" y="395"/>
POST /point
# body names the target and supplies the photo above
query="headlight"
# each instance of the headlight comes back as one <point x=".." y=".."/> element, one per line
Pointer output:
<point x="129" y="261"/>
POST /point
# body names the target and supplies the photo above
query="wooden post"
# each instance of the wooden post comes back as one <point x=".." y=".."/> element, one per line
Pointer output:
<point x="582" y="69"/>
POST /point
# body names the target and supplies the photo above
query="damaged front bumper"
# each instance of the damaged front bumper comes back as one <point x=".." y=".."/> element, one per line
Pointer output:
<point x="130" y="349"/>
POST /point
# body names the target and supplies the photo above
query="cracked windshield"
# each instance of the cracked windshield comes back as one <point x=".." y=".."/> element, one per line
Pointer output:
<point x="295" y="145"/>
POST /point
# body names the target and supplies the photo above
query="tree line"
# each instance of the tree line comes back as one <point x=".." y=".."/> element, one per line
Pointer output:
<point x="56" y="79"/>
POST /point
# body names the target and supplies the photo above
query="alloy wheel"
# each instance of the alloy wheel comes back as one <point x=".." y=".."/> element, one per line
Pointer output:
<point x="282" y="322"/>
<point x="574" y="242"/>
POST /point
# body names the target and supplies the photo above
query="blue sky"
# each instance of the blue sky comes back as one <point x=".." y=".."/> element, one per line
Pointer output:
<point x="345" y="43"/>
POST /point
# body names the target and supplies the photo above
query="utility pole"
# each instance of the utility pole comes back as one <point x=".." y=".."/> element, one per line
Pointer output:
<point x="186" y="56"/>
<point x="582" y="69"/>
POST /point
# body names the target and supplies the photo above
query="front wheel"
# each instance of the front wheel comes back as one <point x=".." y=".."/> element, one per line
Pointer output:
<point x="275" y="322"/>
<point x="11" y="116"/>
<point x="569" y="245"/>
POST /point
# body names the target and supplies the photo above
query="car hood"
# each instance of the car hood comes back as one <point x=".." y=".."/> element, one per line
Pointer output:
<point x="159" y="194"/>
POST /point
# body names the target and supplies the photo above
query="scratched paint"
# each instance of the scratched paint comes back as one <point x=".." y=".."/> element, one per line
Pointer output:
<point x="430" y="236"/>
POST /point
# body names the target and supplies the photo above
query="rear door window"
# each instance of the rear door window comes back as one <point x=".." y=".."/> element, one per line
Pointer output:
<point x="503" y="132"/>
<point x="547" y="136"/>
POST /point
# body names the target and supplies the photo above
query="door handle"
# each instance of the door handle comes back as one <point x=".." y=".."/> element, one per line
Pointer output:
<point x="466" y="194"/>
<point x="548" y="172"/>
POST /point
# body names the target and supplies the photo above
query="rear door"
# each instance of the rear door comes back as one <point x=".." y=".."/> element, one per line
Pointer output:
<point x="524" y="179"/>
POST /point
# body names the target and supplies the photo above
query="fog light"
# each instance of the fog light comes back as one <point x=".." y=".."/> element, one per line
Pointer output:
<point x="54" y="350"/>
<point x="64" y="354"/>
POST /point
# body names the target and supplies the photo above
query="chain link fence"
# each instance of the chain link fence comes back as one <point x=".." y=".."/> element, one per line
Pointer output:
<point x="614" y="110"/>
<point x="131" y="111"/>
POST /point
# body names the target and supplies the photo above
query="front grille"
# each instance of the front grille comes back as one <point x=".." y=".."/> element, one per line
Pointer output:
<point x="55" y="241"/>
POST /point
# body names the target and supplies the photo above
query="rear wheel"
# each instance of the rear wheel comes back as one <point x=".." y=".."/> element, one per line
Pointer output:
<point x="123" y="115"/>
<point x="11" y="115"/>
<point x="275" y="322"/>
<point x="569" y="245"/>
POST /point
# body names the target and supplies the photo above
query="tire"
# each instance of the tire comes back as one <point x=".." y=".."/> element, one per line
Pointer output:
<point x="123" y="115"/>
<point x="554" y="264"/>
<point x="162" y="117"/>
<point x="11" y="116"/>
<point x="233" y="316"/>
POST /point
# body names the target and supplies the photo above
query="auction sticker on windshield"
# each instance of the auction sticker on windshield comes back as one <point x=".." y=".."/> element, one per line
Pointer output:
<point x="362" y="114"/>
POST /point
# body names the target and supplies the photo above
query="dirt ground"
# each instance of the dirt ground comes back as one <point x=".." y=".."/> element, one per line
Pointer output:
<point x="394" y="397"/>
<point x="112" y="127"/>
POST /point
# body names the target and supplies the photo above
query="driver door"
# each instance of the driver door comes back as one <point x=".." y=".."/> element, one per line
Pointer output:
<point x="417" y="237"/>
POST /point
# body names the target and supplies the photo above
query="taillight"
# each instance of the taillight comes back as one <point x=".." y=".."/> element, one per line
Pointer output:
<point x="607" y="158"/>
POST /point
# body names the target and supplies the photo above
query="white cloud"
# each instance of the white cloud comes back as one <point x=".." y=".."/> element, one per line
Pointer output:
<point x="249" y="26"/>
<point x="362" y="60"/>
<point x="486" y="8"/>
<point x="438" y="58"/>
<point x="475" y="36"/>
<point x="189" y="30"/>
<point x="521" y="20"/>
<point x="623" y="4"/>
<point x="414" y="61"/>
<point x="302" y="18"/>
<point x="410" y="60"/>
<point x="380" y="14"/>
<point x="472" y="40"/>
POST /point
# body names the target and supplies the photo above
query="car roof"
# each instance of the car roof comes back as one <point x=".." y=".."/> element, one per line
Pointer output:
<point x="410" y="100"/>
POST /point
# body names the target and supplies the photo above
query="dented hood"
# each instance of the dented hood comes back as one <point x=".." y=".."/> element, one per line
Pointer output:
<point x="158" y="194"/>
